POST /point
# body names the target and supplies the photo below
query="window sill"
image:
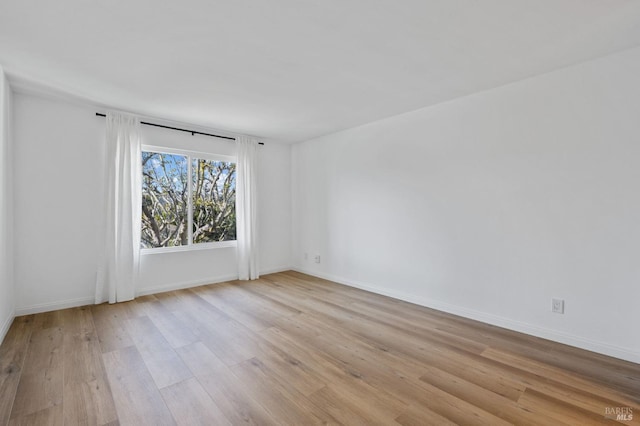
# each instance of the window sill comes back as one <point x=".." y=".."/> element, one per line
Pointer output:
<point x="193" y="247"/>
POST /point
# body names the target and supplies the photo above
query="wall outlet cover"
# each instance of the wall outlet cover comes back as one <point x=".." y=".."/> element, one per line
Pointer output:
<point x="557" y="306"/>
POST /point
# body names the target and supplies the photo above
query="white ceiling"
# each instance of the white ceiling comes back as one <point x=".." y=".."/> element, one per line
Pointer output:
<point x="291" y="70"/>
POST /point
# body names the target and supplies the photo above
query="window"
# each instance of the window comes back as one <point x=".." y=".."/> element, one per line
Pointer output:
<point x="188" y="199"/>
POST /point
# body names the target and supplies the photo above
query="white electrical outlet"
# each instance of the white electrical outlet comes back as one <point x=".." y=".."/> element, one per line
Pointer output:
<point x="317" y="258"/>
<point x="557" y="306"/>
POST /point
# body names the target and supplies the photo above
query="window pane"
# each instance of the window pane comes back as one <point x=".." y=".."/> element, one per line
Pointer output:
<point x="214" y="201"/>
<point x="164" y="200"/>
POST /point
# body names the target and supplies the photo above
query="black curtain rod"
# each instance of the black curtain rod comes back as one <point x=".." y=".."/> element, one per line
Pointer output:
<point x="193" y="132"/>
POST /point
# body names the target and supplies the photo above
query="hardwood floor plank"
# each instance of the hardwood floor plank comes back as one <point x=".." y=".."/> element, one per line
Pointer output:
<point x="283" y="402"/>
<point x="339" y="376"/>
<point x="137" y="399"/>
<point x="470" y="368"/>
<point x="493" y="374"/>
<point x="51" y="416"/>
<point x="88" y="399"/>
<point x="347" y="408"/>
<point x="133" y="308"/>
<point x="112" y="338"/>
<point x="277" y="305"/>
<point x="52" y="319"/>
<point x="491" y="402"/>
<point x="443" y="328"/>
<point x="457" y="409"/>
<point x="41" y="381"/>
<point x="109" y="315"/>
<point x="621" y="373"/>
<point x="420" y="416"/>
<point x="229" y="340"/>
<point x="191" y="405"/>
<point x="172" y="328"/>
<point x="580" y="398"/>
<point x="171" y="300"/>
<point x="241" y="309"/>
<point x="230" y="395"/>
<point x="13" y="352"/>
<point x="560" y="411"/>
<point x="164" y="364"/>
<point x="287" y="369"/>
<point x="190" y="302"/>
<point x="138" y="307"/>
<point x="110" y="322"/>
<point x="566" y="377"/>
<point x="89" y="403"/>
<point x="199" y="359"/>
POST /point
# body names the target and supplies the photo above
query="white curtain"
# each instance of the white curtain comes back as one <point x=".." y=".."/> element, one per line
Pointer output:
<point x="120" y="246"/>
<point x="246" y="200"/>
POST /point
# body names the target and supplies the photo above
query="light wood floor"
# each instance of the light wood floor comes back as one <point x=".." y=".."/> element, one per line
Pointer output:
<point x="292" y="349"/>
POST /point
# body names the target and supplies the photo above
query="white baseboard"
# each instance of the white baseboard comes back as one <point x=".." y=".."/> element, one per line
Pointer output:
<point x="5" y="326"/>
<point x="626" y="354"/>
<point x="83" y="301"/>
<point x="54" y="306"/>
<point x="275" y="270"/>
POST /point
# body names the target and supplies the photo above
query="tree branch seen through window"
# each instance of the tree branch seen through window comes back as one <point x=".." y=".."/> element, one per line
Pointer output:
<point x="168" y="195"/>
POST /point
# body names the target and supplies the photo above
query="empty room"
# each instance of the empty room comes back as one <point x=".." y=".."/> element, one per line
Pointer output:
<point x="421" y="212"/>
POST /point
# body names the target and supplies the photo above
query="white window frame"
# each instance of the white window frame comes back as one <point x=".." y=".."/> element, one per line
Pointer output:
<point x="190" y="156"/>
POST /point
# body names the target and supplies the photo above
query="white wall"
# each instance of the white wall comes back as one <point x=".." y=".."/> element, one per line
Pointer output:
<point x="58" y="181"/>
<point x="491" y="205"/>
<point x="7" y="301"/>
<point x="57" y="184"/>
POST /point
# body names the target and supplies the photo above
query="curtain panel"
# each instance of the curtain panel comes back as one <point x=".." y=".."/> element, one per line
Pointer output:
<point x="246" y="208"/>
<point x="121" y="214"/>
